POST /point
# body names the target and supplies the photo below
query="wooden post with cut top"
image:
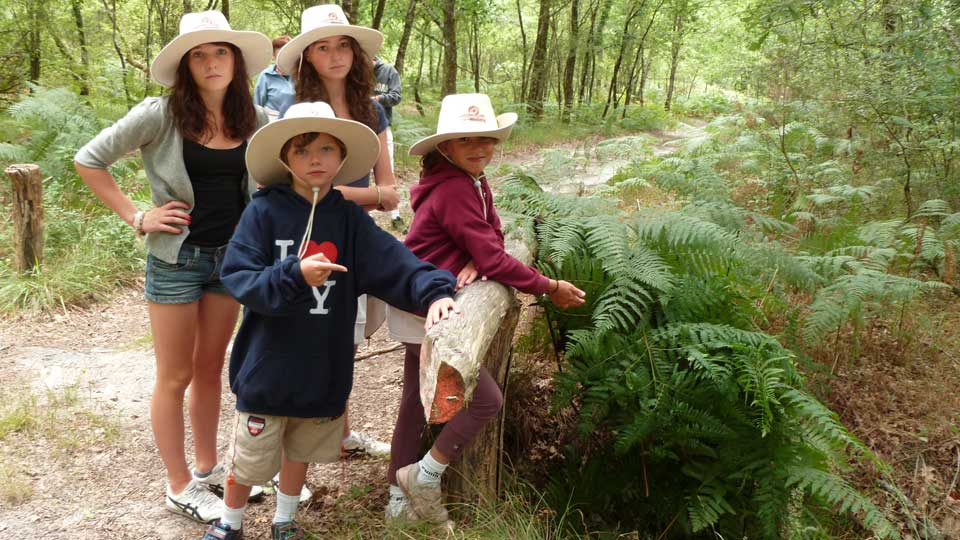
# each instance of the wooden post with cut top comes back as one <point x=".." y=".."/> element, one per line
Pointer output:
<point x="27" y="216"/>
<point x="453" y="352"/>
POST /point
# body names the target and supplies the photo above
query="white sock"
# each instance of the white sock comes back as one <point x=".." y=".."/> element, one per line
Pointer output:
<point x="286" y="507"/>
<point x="430" y="470"/>
<point x="232" y="517"/>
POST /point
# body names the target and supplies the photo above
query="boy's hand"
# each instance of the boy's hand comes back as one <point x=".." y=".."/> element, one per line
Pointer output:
<point x="567" y="295"/>
<point x="317" y="268"/>
<point x="468" y="275"/>
<point x="440" y="310"/>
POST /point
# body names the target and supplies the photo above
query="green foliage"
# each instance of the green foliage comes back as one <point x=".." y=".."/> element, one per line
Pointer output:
<point x="677" y="391"/>
<point x="54" y="124"/>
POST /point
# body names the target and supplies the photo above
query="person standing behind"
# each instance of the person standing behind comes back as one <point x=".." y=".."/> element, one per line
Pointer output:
<point x="331" y="61"/>
<point x="192" y="142"/>
<point x="274" y="88"/>
<point x="387" y="93"/>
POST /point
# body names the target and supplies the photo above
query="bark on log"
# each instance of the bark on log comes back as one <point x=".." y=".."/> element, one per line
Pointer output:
<point x="27" y="216"/>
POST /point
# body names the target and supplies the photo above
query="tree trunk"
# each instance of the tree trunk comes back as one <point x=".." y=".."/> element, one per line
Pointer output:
<point x="225" y="9"/>
<point x="77" y="6"/>
<point x="111" y="8"/>
<point x="449" y="49"/>
<point x="33" y="42"/>
<point x="405" y="37"/>
<point x="523" y="41"/>
<point x="674" y="58"/>
<point x="646" y="61"/>
<point x="350" y="9"/>
<point x="378" y="16"/>
<point x="612" y="90"/>
<point x="571" y="62"/>
<point x="27" y="216"/>
<point x="187" y="7"/>
<point x="538" y="65"/>
<point x="475" y="54"/>
<point x="588" y="54"/>
<point x="416" y="82"/>
<point x="630" y="81"/>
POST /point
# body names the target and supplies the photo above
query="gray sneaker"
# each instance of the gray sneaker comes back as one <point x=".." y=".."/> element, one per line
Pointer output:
<point x="358" y="443"/>
<point x="218" y="477"/>
<point x="196" y="502"/>
<point x="426" y="499"/>
<point x="399" y="514"/>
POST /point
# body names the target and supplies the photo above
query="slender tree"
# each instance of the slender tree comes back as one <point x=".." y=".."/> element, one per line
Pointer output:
<point x="449" y="49"/>
<point x="408" y="21"/>
<point x="539" y="69"/>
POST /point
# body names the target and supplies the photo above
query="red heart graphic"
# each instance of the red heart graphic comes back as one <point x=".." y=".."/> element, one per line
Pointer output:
<point x="329" y="250"/>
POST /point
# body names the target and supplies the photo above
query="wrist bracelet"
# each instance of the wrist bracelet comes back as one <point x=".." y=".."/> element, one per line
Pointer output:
<point x="557" y="287"/>
<point x="138" y="222"/>
<point x="378" y="194"/>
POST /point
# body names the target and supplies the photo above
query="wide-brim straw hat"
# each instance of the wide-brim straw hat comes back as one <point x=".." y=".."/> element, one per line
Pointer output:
<point x="210" y="27"/>
<point x="466" y="115"/>
<point x="319" y="22"/>
<point x="263" y="151"/>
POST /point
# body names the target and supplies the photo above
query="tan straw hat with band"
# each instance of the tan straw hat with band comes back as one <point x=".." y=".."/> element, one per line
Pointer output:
<point x="263" y="151"/>
<point x="319" y="22"/>
<point x="466" y="115"/>
<point x="210" y="27"/>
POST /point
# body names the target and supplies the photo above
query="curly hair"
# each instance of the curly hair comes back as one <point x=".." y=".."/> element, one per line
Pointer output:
<point x="359" y="85"/>
<point x="190" y="114"/>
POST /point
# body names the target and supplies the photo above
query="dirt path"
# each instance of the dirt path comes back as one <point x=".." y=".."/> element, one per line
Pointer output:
<point x="577" y="167"/>
<point x="91" y="371"/>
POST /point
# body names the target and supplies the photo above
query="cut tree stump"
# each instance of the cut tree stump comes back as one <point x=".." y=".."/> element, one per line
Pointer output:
<point x="27" y="216"/>
<point x="452" y="354"/>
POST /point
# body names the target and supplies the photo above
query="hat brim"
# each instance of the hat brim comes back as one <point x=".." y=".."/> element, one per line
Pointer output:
<point x="263" y="151"/>
<point x="369" y="39"/>
<point x="257" y="51"/>
<point x="505" y="121"/>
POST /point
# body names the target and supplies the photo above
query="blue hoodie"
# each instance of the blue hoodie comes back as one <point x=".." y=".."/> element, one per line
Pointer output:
<point x="293" y="355"/>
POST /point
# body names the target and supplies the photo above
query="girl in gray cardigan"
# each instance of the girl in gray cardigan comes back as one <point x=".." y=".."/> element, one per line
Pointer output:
<point x="192" y="143"/>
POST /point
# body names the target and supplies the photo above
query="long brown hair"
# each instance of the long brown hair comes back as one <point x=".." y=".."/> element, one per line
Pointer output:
<point x="359" y="86"/>
<point x="190" y="114"/>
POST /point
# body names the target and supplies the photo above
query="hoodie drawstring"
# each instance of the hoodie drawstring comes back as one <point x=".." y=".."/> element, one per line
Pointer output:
<point x="308" y="232"/>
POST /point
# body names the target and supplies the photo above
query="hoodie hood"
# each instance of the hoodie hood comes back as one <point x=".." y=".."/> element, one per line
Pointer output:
<point x="437" y="175"/>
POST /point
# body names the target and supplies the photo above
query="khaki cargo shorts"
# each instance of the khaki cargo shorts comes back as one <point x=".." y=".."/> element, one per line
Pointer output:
<point x="258" y="440"/>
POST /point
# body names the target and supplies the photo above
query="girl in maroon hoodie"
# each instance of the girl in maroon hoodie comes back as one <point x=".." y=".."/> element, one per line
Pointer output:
<point x="456" y="228"/>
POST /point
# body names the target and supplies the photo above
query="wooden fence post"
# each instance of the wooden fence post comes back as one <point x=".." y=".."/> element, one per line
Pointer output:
<point x="27" y="216"/>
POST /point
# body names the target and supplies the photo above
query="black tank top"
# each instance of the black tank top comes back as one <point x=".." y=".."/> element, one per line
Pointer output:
<point x="217" y="177"/>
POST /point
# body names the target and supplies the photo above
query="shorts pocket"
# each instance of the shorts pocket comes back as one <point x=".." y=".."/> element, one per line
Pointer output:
<point x="185" y="259"/>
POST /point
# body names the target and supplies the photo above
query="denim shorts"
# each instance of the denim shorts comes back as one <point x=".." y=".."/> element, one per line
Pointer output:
<point x="197" y="271"/>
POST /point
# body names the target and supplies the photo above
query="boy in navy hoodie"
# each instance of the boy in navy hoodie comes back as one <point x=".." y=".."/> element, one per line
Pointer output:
<point x="297" y="261"/>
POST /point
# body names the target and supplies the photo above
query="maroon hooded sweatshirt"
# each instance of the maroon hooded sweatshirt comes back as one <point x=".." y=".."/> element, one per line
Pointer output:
<point x="452" y="224"/>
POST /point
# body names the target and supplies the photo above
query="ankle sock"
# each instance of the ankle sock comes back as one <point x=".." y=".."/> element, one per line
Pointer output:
<point x="286" y="507"/>
<point x="232" y="517"/>
<point x="430" y="470"/>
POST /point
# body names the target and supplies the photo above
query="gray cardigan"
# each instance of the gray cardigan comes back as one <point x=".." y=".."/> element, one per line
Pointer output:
<point x="150" y="127"/>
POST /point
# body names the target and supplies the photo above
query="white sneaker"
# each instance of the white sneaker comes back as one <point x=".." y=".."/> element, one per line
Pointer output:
<point x="399" y="513"/>
<point x="305" y="493"/>
<point x="218" y="477"/>
<point x="196" y="502"/>
<point x="358" y="442"/>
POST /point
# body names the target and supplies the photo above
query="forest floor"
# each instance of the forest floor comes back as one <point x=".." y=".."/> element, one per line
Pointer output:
<point x="78" y="459"/>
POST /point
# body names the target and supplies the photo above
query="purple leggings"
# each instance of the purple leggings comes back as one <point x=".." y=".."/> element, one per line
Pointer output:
<point x="457" y="433"/>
